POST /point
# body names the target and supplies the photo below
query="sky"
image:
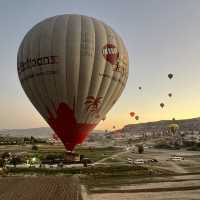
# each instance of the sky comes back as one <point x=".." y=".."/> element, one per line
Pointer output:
<point x="161" y="37"/>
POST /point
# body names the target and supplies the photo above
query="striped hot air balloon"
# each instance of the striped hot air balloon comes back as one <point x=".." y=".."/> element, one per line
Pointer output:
<point x="73" y="68"/>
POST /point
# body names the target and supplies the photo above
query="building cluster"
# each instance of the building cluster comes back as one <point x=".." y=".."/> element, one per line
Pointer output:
<point x="29" y="160"/>
<point x="9" y="140"/>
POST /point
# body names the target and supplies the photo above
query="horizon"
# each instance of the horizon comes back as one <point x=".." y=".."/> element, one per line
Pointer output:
<point x="104" y="129"/>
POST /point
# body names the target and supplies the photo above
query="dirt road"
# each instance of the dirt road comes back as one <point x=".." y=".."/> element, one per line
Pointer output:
<point x="113" y="156"/>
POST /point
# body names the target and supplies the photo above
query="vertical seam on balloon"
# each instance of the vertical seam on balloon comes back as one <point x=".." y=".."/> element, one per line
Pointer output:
<point x="77" y="89"/>
<point x="53" y="75"/>
<point x="65" y="63"/>
<point x="90" y="88"/>
<point x="37" y="91"/>
<point x="105" y="100"/>
<point x="92" y="64"/>
<point x="118" y="91"/>
<point x="80" y="60"/>
<point x="86" y="119"/>
<point x="64" y="56"/>
<point x="96" y="50"/>
<point x="34" y="86"/>
<point x="76" y="82"/>
<point x="42" y="79"/>
<point x="68" y="79"/>
<point x="21" y="50"/>
<point x="117" y="87"/>
<point x="30" y="48"/>
<point x="42" y="82"/>
<point x="106" y="63"/>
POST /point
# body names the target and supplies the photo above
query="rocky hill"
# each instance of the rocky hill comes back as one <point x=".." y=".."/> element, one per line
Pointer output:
<point x="44" y="132"/>
<point x="185" y="125"/>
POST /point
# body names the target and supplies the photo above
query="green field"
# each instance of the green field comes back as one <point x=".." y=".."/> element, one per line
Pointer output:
<point x="96" y="154"/>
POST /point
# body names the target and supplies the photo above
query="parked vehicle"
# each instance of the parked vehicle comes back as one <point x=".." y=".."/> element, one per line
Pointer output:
<point x="176" y="158"/>
<point x="130" y="160"/>
<point x="153" y="160"/>
<point x="139" y="161"/>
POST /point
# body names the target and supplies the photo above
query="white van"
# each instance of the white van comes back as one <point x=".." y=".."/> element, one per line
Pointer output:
<point x="130" y="160"/>
<point x="177" y="158"/>
<point x="139" y="161"/>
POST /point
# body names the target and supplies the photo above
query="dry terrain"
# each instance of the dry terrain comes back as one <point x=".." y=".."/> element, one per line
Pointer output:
<point x="184" y="184"/>
<point x="40" y="188"/>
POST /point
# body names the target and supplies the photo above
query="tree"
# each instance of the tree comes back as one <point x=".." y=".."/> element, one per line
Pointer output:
<point x="140" y="149"/>
<point x="33" y="140"/>
<point x="5" y="155"/>
<point x="130" y="141"/>
<point x="34" y="147"/>
<point x="2" y="163"/>
<point x="15" y="160"/>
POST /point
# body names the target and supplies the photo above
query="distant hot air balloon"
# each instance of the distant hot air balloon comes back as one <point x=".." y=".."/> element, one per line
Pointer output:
<point x="104" y="118"/>
<point x="113" y="127"/>
<point x="170" y="76"/>
<point x="137" y="117"/>
<point x="173" y="127"/>
<point x="162" y="105"/>
<point x="139" y="87"/>
<point x="170" y="94"/>
<point x="72" y="68"/>
<point x="132" y="114"/>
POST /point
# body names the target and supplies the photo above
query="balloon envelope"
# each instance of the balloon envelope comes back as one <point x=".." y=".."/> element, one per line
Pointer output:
<point x="162" y="105"/>
<point x="132" y="114"/>
<point x="170" y="76"/>
<point x="73" y="69"/>
<point x="104" y="118"/>
<point x="173" y="127"/>
<point x="137" y="117"/>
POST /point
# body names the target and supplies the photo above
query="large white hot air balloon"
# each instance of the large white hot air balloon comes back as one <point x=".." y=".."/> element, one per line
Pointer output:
<point x="73" y="69"/>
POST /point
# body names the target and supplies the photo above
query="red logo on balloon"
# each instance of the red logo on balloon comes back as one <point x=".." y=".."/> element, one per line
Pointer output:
<point x="110" y="53"/>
